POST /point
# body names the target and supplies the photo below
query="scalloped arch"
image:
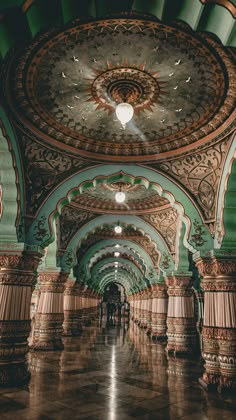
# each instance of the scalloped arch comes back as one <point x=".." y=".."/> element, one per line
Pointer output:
<point x="151" y="178"/>
<point x="103" y="252"/>
<point x="100" y="221"/>
<point x="134" y="248"/>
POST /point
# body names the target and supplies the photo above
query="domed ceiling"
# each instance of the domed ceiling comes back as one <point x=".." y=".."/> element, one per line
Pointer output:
<point x="66" y="87"/>
<point x="61" y="88"/>
<point x="102" y="198"/>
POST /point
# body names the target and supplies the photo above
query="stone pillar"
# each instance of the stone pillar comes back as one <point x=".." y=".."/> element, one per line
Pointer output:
<point x="200" y="314"/>
<point x="81" y="310"/>
<point x="71" y="307"/>
<point x="219" y="328"/>
<point x="33" y="310"/>
<point x="143" y="309"/>
<point x="149" y="311"/>
<point x="159" y="311"/>
<point x="181" y="328"/>
<point x="17" y="272"/>
<point x="50" y="314"/>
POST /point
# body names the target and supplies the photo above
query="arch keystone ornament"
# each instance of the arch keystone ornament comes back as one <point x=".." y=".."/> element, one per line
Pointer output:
<point x="219" y="325"/>
<point x="17" y="274"/>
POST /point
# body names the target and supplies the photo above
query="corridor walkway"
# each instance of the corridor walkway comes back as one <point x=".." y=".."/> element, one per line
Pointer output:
<point x="113" y="372"/>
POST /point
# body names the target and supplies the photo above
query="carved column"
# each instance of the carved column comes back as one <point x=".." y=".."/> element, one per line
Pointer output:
<point x="50" y="314"/>
<point x="71" y="307"/>
<point x="17" y="272"/>
<point x="181" y="328"/>
<point x="81" y="309"/>
<point x="143" y="307"/>
<point x="219" y="329"/>
<point x="159" y="311"/>
<point x="149" y="311"/>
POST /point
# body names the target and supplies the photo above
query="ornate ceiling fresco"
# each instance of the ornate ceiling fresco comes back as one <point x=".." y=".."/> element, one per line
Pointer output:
<point x="63" y="73"/>
<point x="66" y="87"/>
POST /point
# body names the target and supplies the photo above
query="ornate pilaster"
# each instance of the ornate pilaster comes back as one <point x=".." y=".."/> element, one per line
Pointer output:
<point x="50" y="314"/>
<point x="181" y="328"/>
<point x="159" y="311"/>
<point x="17" y="273"/>
<point x="219" y="329"/>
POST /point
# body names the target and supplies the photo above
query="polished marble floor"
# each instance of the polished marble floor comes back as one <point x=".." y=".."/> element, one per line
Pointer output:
<point x="113" y="372"/>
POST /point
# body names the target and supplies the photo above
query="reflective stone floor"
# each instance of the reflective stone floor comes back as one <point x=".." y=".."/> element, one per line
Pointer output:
<point x="113" y="372"/>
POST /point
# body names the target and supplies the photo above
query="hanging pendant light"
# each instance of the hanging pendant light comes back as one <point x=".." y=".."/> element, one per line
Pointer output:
<point x="118" y="229"/>
<point x="120" y="197"/>
<point x="124" y="113"/>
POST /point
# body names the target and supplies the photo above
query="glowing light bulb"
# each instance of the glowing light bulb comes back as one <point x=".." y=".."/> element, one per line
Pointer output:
<point x="118" y="229"/>
<point x="120" y="197"/>
<point x="116" y="254"/>
<point x="124" y="113"/>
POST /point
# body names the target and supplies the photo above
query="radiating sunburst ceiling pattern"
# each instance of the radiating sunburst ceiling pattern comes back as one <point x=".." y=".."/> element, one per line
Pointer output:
<point x="176" y="82"/>
<point x="102" y="198"/>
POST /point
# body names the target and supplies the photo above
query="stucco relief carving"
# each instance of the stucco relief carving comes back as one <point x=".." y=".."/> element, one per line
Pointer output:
<point x="71" y="220"/>
<point x="165" y="221"/>
<point x="200" y="174"/>
<point x="44" y="169"/>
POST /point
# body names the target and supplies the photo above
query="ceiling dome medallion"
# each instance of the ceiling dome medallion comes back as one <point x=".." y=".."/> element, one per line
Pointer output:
<point x="65" y="89"/>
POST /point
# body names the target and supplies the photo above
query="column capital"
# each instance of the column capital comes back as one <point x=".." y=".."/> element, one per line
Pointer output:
<point x="18" y="266"/>
<point x="219" y="273"/>
<point x="52" y="280"/>
<point x="159" y="290"/>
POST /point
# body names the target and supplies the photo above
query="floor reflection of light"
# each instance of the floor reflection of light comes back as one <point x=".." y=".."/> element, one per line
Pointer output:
<point x="113" y="390"/>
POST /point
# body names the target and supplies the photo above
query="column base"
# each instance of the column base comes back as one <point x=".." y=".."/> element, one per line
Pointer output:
<point x="158" y="337"/>
<point x="48" y="345"/>
<point x="13" y="374"/>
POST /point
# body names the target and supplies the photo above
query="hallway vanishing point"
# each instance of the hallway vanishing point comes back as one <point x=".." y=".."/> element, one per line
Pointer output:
<point x="113" y="371"/>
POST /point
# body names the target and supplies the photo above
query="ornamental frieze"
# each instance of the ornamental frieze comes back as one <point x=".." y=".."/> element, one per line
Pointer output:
<point x="22" y="261"/>
<point x="216" y="267"/>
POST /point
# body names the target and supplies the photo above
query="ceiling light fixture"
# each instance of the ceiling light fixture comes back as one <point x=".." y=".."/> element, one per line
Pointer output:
<point x="124" y="113"/>
<point x="116" y="254"/>
<point x="120" y="197"/>
<point x="118" y="229"/>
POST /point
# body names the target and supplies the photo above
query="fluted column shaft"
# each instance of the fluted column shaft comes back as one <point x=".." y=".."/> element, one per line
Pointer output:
<point x="16" y="277"/>
<point x="50" y="313"/>
<point x="181" y="328"/>
<point x="159" y="311"/>
<point x="219" y="327"/>
<point x="71" y="308"/>
<point x="149" y="311"/>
